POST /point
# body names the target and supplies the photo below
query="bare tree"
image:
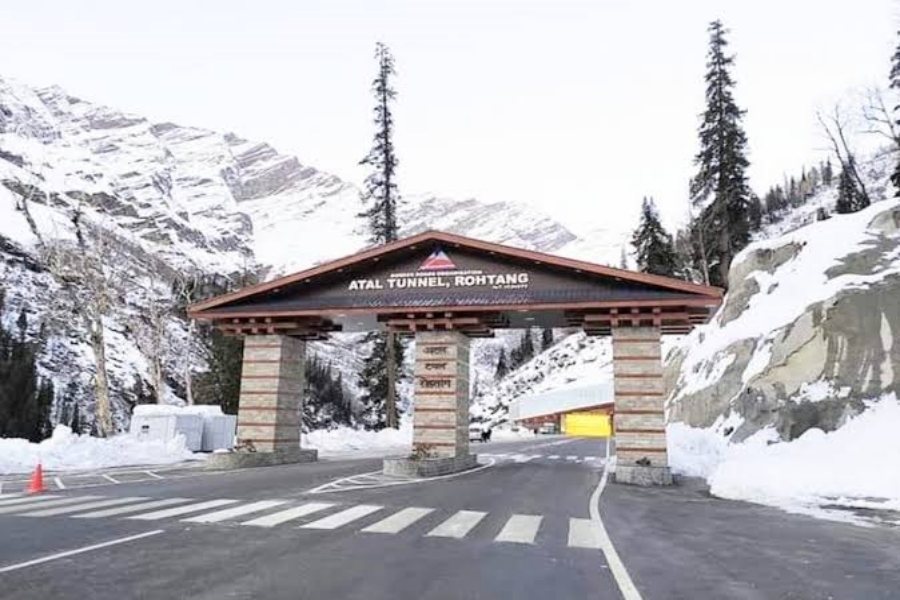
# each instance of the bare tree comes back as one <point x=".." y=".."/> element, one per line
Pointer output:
<point x="878" y="117"/>
<point x="151" y="324"/>
<point x="835" y="126"/>
<point x="186" y="292"/>
<point x="86" y="275"/>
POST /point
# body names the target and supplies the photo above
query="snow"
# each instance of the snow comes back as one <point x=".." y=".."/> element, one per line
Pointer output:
<point x="67" y="451"/>
<point x="174" y="409"/>
<point x="786" y="293"/>
<point x="854" y="466"/>
<point x="344" y="440"/>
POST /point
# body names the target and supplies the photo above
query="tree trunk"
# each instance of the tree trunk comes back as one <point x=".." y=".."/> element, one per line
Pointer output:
<point x="101" y="382"/>
<point x="188" y="383"/>
<point x="157" y="379"/>
<point x="390" y="403"/>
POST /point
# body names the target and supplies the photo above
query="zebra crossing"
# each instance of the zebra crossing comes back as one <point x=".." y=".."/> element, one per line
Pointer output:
<point x="364" y="519"/>
<point x="556" y="458"/>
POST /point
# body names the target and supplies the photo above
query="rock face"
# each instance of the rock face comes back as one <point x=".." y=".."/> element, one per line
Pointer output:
<point x="809" y="331"/>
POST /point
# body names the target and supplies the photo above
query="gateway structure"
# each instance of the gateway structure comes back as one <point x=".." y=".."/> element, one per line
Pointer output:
<point x="443" y="290"/>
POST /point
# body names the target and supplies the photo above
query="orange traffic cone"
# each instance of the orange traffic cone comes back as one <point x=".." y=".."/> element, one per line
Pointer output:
<point x="37" y="481"/>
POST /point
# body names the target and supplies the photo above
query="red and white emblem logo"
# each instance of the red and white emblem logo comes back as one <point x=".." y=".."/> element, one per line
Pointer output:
<point x="438" y="261"/>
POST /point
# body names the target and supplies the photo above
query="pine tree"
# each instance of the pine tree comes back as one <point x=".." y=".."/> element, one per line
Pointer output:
<point x="895" y="85"/>
<point x="849" y="199"/>
<point x="827" y="173"/>
<point x="381" y="195"/>
<point x="755" y="212"/>
<point x="383" y="200"/>
<point x="25" y="399"/>
<point x="526" y="349"/>
<point x="653" y="246"/>
<point x="720" y="185"/>
<point x="75" y="421"/>
<point x="502" y="366"/>
<point x="546" y="338"/>
<point x="374" y="381"/>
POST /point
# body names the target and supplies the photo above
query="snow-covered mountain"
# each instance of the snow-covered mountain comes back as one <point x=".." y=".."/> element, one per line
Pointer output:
<point x="182" y="199"/>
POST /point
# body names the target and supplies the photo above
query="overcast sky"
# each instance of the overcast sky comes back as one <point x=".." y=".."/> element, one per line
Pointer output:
<point x="578" y="107"/>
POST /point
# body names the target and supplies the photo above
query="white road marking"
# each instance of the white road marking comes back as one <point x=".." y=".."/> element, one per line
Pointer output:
<point x="124" y="510"/>
<point x="59" y="483"/>
<point x="237" y="511"/>
<point x="332" y="486"/>
<point x="109" y="478"/>
<point x="587" y="458"/>
<point x="522" y="458"/>
<point x="25" y="499"/>
<point x="181" y="510"/>
<point x="572" y="457"/>
<point x="620" y="573"/>
<point x="520" y="529"/>
<point x="342" y="518"/>
<point x="553" y="457"/>
<point x="289" y="514"/>
<point x="458" y="525"/>
<point x="59" y="555"/>
<point x="583" y="534"/>
<point x="52" y="512"/>
<point x="399" y="521"/>
<point x="154" y="475"/>
<point x="60" y="502"/>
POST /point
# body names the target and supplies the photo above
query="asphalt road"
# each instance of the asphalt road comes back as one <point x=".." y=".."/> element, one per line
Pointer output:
<point x="518" y="528"/>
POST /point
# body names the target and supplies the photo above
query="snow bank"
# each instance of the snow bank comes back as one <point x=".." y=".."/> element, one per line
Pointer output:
<point x="505" y="434"/>
<point x="67" y="451"/>
<point x="174" y="409"/>
<point x="342" y="440"/>
<point x="854" y="466"/>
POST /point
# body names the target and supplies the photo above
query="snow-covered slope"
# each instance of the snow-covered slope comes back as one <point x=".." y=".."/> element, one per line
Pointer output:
<point x="180" y="199"/>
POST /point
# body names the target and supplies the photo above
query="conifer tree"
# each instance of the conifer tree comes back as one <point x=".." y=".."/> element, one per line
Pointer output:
<point x="381" y="195"/>
<point x="526" y="348"/>
<point x="720" y="186"/>
<point x="25" y="399"/>
<point x="849" y="199"/>
<point x="895" y="85"/>
<point x="653" y="246"/>
<point x="382" y="200"/>
<point x="827" y="173"/>
<point x="373" y="381"/>
<point x="546" y="338"/>
<point x="502" y="365"/>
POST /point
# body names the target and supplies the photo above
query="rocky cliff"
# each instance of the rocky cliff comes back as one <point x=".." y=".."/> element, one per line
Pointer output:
<point x="809" y="331"/>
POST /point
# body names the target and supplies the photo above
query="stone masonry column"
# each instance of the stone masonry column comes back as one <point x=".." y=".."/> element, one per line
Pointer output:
<point x="271" y="400"/>
<point x="441" y="407"/>
<point x="640" y="423"/>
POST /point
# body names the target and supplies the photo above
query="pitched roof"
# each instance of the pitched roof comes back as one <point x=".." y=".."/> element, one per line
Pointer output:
<point x="372" y="255"/>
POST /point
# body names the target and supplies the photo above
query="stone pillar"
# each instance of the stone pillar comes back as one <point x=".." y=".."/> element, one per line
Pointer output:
<point x="271" y="400"/>
<point x="441" y="407"/>
<point x="640" y="423"/>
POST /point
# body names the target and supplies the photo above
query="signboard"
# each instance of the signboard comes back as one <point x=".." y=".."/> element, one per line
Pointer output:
<point x="438" y="271"/>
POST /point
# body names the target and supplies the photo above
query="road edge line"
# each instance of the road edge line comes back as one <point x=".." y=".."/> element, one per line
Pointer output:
<point x="620" y="574"/>
<point x="58" y="555"/>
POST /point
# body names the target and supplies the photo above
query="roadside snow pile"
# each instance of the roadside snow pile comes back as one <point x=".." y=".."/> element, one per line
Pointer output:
<point x="855" y="466"/>
<point x="506" y="434"/>
<point x="67" y="451"/>
<point x="343" y="440"/>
